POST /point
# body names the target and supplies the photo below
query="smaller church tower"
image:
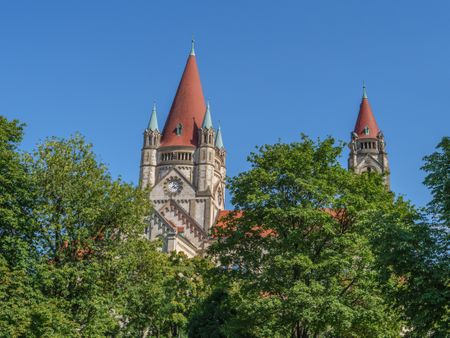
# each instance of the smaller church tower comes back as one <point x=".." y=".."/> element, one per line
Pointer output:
<point x="152" y="139"/>
<point x="367" y="145"/>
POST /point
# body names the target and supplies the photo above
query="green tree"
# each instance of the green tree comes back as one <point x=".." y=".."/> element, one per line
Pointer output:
<point x="135" y="274"/>
<point x="16" y="197"/>
<point x="437" y="167"/>
<point x="155" y="292"/>
<point x="16" y="232"/>
<point x="212" y="315"/>
<point x="83" y="215"/>
<point x="73" y="261"/>
<point x="412" y="252"/>
<point x="299" y="251"/>
<point x="219" y="315"/>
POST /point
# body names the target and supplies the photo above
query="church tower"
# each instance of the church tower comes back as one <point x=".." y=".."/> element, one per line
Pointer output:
<point x="184" y="166"/>
<point x="367" y="145"/>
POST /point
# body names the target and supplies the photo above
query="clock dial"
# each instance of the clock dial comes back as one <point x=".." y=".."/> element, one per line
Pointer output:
<point x="173" y="186"/>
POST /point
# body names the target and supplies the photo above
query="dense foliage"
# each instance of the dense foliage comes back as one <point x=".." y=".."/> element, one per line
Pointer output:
<point x="412" y="252"/>
<point x="313" y="250"/>
<point x="73" y="261"/>
<point x="317" y="251"/>
<point x="300" y="253"/>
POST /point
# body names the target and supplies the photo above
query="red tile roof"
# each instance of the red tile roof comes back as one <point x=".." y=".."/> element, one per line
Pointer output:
<point x="338" y="214"/>
<point x="222" y="222"/>
<point x="188" y="109"/>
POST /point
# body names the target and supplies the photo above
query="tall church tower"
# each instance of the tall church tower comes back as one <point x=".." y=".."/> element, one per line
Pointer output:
<point x="367" y="145"/>
<point x="184" y="166"/>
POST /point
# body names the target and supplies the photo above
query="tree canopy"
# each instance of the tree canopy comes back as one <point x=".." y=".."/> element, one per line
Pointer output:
<point x="437" y="167"/>
<point x="315" y="250"/>
<point x="300" y="251"/>
<point x="312" y="250"/>
<point x="73" y="260"/>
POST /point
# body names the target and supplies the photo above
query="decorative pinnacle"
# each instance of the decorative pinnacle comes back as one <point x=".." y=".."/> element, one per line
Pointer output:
<point x="192" y="47"/>
<point x="364" y="91"/>
<point x="207" y="121"/>
<point x="219" y="141"/>
<point x="153" y="124"/>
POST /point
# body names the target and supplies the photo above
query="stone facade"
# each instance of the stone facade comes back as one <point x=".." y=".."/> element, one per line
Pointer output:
<point x="369" y="155"/>
<point x="187" y="191"/>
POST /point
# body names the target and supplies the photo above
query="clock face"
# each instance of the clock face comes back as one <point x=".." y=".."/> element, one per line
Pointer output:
<point x="173" y="185"/>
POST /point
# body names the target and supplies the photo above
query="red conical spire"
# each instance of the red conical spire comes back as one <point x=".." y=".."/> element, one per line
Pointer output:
<point x="366" y="126"/>
<point x="188" y="108"/>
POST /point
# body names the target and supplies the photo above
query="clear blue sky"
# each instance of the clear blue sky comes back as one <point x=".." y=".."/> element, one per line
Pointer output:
<point x="270" y="69"/>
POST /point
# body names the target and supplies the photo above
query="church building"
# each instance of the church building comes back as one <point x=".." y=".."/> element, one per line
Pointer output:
<point x="185" y="167"/>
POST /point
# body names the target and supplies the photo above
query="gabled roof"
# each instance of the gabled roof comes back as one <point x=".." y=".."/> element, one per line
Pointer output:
<point x="188" y="109"/>
<point x="366" y="125"/>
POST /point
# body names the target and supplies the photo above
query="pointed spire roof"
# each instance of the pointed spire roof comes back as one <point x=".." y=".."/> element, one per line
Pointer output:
<point x="219" y="141"/>
<point x="153" y="123"/>
<point x="366" y="125"/>
<point x="188" y="109"/>
<point x="207" y="121"/>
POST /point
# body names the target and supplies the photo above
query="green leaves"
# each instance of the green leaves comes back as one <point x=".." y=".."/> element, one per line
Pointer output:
<point x="437" y="167"/>
<point x="16" y="197"/>
<point x="313" y="250"/>
<point x="78" y="206"/>
<point x="73" y="261"/>
<point x="299" y="248"/>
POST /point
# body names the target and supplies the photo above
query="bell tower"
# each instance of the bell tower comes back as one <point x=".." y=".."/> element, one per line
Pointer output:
<point x="184" y="166"/>
<point x="367" y="144"/>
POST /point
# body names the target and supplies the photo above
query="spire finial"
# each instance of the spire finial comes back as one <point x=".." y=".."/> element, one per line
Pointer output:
<point x="153" y="123"/>
<point x="364" y="90"/>
<point x="218" y="141"/>
<point x="192" y="46"/>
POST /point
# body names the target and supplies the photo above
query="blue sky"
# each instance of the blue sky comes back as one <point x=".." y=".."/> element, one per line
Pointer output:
<point x="271" y="69"/>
